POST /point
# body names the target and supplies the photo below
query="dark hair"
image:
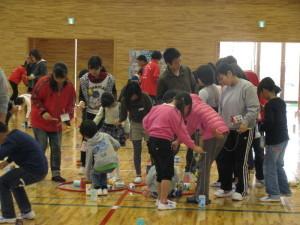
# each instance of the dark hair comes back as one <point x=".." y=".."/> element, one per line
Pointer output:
<point x="170" y="54"/>
<point x="132" y="88"/>
<point x="169" y="95"/>
<point x="36" y="54"/>
<point x="205" y="74"/>
<point x="3" y="127"/>
<point x="25" y="64"/>
<point x="94" y="62"/>
<point x="19" y="101"/>
<point x="142" y="58"/>
<point x="60" y="70"/>
<point x="223" y="68"/>
<point x="232" y="61"/>
<point x="88" y="128"/>
<point x="268" y="84"/>
<point x="82" y="72"/>
<point x="156" y="55"/>
<point x="183" y="99"/>
<point x="107" y="99"/>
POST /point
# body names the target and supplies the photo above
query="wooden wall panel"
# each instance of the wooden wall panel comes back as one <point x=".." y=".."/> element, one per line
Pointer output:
<point x="56" y="50"/>
<point x="102" y="48"/>
<point x="193" y="26"/>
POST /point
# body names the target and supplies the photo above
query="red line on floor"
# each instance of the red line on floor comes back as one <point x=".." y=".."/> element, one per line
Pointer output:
<point x="113" y="209"/>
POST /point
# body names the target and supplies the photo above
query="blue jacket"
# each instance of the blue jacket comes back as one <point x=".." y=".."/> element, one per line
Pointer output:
<point x="25" y="151"/>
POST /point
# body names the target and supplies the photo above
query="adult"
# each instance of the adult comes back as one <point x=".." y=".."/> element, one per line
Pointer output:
<point x="40" y="68"/>
<point x="256" y="146"/>
<point x="4" y="99"/>
<point x="239" y="107"/>
<point x="24" y="151"/>
<point x="179" y="77"/>
<point x="53" y="102"/>
<point x="92" y="85"/>
<point x="150" y="75"/>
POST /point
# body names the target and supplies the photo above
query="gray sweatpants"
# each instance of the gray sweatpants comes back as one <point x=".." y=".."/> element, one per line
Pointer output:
<point x="212" y="148"/>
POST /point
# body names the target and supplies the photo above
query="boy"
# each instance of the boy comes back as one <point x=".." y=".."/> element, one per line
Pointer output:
<point x="27" y="154"/>
<point x="101" y="157"/>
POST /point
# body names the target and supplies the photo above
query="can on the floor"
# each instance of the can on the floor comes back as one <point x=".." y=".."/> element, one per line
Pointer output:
<point x="131" y="186"/>
<point x="201" y="201"/>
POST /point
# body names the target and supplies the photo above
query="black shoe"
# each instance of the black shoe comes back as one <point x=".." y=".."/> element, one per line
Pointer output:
<point x="193" y="200"/>
<point x="58" y="179"/>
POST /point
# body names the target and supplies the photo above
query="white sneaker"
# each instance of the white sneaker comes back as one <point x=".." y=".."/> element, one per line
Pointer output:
<point x="260" y="183"/>
<point x="28" y="216"/>
<point x="7" y="220"/>
<point x="99" y="192"/>
<point x="269" y="199"/>
<point x="216" y="184"/>
<point x="162" y="206"/>
<point x="138" y="180"/>
<point x="88" y="189"/>
<point x="237" y="196"/>
<point x="222" y="194"/>
<point x="104" y="192"/>
<point x="169" y="202"/>
<point x="81" y="170"/>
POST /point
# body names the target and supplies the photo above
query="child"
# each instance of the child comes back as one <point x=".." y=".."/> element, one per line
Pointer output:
<point x="25" y="98"/>
<point x="101" y="157"/>
<point x="137" y="104"/>
<point x="24" y="151"/>
<point x="110" y="111"/>
<point x="152" y="184"/>
<point x="209" y="93"/>
<point x="275" y="127"/>
<point x="162" y="123"/>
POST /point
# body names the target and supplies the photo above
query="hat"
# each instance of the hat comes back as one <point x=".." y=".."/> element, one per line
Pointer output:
<point x="134" y="78"/>
<point x="268" y="84"/>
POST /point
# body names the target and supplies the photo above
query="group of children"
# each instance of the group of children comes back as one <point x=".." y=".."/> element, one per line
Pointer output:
<point x="226" y="118"/>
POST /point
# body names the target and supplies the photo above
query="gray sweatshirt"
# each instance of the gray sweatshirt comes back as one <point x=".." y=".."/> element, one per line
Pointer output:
<point x="101" y="154"/>
<point x="3" y="93"/>
<point x="240" y="99"/>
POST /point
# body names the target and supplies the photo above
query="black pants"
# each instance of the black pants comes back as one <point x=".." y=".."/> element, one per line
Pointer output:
<point x="258" y="161"/>
<point x="13" y="182"/>
<point x="15" y="93"/>
<point x="163" y="156"/>
<point x="234" y="157"/>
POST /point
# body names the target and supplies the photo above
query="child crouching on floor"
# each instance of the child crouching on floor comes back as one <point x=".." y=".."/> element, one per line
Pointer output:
<point x="101" y="156"/>
<point x="152" y="184"/>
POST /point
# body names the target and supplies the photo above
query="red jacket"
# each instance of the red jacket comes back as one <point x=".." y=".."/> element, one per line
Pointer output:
<point x="149" y="78"/>
<point x="253" y="78"/>
<point x="17" y="75"/>
<point x="45" y="99"/>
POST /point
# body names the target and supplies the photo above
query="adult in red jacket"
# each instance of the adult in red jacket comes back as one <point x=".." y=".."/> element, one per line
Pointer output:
<point x="150" y="75"/>
<point x="53" y="102"/>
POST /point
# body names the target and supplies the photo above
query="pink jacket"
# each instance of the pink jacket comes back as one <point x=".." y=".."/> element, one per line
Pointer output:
<point x="205" y="118"/>
<point x="165" y="121"/>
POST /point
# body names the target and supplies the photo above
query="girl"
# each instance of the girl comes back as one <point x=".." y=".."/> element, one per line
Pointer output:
<point x="213" y="133"/>
<point x="162" y="124"/>
<point x="110" y="111"/>
<point x="210" y="93"/>
<point x="92" y="86"/>
<point x="239" y="108"/>
<point x="137" y="104"/>
<point x="275" y="127"/>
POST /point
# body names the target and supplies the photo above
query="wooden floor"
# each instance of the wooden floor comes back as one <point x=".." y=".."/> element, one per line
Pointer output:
<point x="57" y="207"/>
